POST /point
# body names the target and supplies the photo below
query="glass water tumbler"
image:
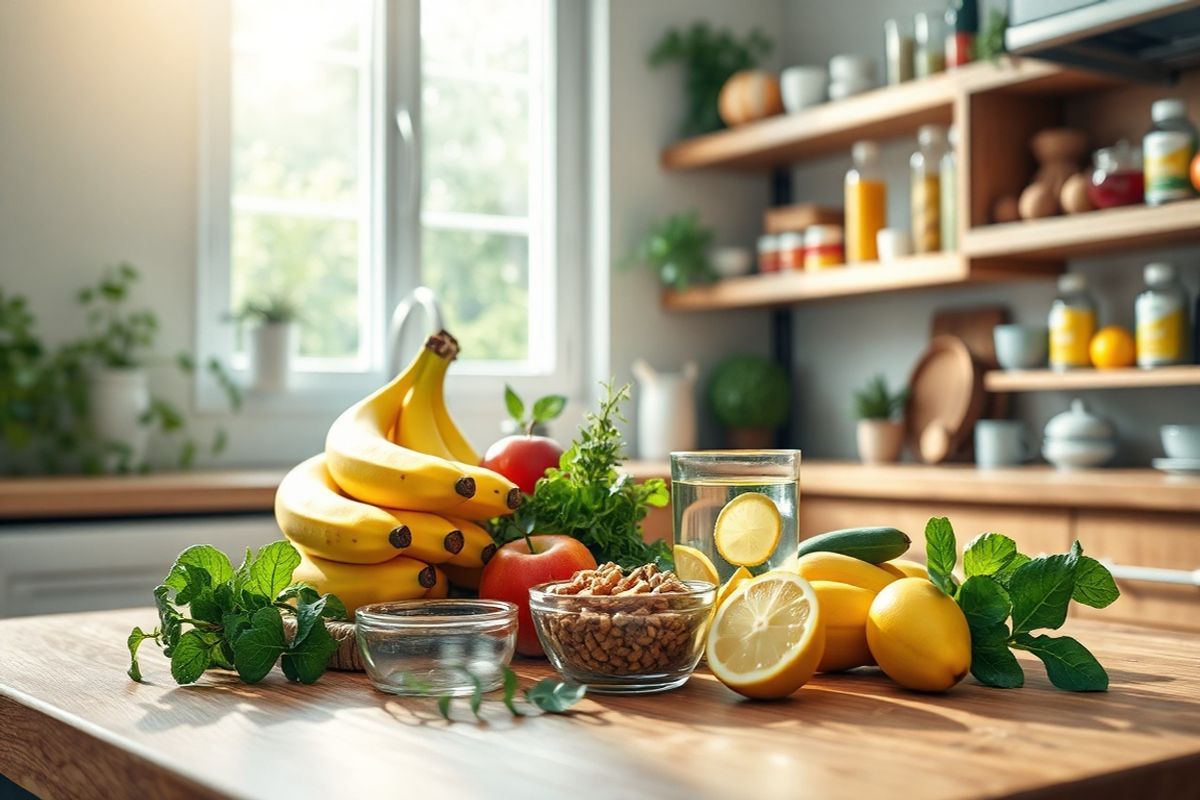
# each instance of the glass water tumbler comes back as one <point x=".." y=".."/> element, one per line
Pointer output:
<point x="704" y="482"/>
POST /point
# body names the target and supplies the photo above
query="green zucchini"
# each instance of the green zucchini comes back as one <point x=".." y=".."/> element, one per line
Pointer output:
<point x="874" y="545"/>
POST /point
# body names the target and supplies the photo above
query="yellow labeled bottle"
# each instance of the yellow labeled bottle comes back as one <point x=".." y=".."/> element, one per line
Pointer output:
<point x="926" y="189"/>
<point x="866" y="203"/>
<point x="1072" y="323"/>
<point x="1161" y="312"/>
<point x="1167" y="152"/>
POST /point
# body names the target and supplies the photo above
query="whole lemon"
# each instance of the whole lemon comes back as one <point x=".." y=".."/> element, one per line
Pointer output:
<point x="919" y="636"/>
<point x="844" y="609"/>
<point x="1112" y="347"/>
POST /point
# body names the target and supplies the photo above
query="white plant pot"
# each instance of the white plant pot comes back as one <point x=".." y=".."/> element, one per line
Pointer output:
<point x="271" y="348"/>
<point x="880" y="440"/>
<point x="117" y="399"/>
<point x="666" y="410"/>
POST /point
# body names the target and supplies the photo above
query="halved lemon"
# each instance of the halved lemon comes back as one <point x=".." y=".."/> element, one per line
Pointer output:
<point x="767" y="637"/>
<point x="693" y="565"/>
<point x="737" y="579"/>
<point x="748" y="529"/>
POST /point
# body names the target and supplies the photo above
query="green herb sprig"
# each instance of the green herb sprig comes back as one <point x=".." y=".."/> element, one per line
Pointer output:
<point x="543" y="410"/>
<point x="548" y="695"/>
<point x="1007" y="596"/>
<point x="233" y="617"/>
<point x="588" y="498"/>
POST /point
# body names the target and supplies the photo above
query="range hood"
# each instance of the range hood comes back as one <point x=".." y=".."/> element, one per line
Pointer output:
<point x="1151" y="40"/>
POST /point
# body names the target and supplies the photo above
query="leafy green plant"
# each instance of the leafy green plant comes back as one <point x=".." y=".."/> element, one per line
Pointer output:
<point x="547" y="695"/>
<point x="233" y="617"/>
<point x="749" y="392"/>
<point x="589" y="498"/>
<point x="677" y="251"/>
<point x="268" y="310"/>
<point x="709" y="57"/>
<point x="989" y="45"/>
<point x="542" y="411"/>
<point x="876" y="401"/>
<point x="1007" y="596"/>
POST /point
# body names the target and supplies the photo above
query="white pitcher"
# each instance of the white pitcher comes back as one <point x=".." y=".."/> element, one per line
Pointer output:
<point x="666" y="410"/>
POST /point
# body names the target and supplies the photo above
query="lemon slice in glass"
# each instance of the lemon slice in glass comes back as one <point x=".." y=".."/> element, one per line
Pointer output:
<point x="693" y="565"/>
<point x="767" y="637"/>
<point x="748" y="529"/>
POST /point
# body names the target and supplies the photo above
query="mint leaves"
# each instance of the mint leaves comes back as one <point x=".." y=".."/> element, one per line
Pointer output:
<point x="234" y="617"/>
<point x="544" y="409"/>
<point x="1004" y="587"/>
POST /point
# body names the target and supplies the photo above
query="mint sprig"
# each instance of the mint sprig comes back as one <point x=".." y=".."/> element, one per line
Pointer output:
<point x="544" y="409"/>
<point x="548" y="695"/>
<point x="1007" y="595"/>
<point x="235" y="617"/>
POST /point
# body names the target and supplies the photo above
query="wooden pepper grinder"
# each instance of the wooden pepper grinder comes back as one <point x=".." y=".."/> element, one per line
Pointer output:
<point x="1059" y="152"/>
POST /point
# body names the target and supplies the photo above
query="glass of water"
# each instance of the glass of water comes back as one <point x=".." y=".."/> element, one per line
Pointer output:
<point x="703" y="482"/>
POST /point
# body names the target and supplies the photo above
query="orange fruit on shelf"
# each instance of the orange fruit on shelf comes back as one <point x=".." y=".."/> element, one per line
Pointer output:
<point x="1112" y="348"/>
<point x="1196" y="172"/>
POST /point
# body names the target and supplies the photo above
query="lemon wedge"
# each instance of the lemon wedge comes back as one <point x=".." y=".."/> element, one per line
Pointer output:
<point x="737" y="579"/>
<point x="693" y="565"/>
<point x="748" y="529"/>
<point x="767" y="637"/>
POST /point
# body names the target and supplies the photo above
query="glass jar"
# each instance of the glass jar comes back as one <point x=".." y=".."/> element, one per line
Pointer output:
<point x="962" y="20"/>
<point x="899" y="46"/>
<point x="823" y="247"/>
<point x="791" y="251"/>
<point x="1116" y="176"/>
<point x="1072" y="323"/>
<point x="948" y="193"/>
<point x="1161" y="315"/>
<point x="925" y="166"/>
<point x="704" y="482"/>
<point x="929" y="57"/>
<point x="866" y="203"/>
<point x="1167" y="153"/>
<point x="768" y="253"/>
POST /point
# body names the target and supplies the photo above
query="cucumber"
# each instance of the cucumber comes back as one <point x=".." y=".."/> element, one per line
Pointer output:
<point x="873" y="545"/>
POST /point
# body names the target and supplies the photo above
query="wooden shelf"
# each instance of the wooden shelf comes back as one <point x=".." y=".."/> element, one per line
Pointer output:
<point x="1107" y="231"/>
<point x="1039" y="380"/>
<point x="883" y="113"/>
<point x="788" y="288"/>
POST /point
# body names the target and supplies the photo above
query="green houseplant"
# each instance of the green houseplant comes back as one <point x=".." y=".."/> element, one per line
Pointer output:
<point x="750" y="396"/>
<point x="709" y="57"/>
<point x="271" y="339"/>
<point x="879" y="434"/>
<point x="676" y="250"/>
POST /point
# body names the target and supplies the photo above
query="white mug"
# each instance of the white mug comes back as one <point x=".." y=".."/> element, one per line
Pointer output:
<point x="1002" y="443"/>
<point x="893" y="243"/>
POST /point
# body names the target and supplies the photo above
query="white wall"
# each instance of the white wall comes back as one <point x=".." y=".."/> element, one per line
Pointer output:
<point x="840" y="344"/>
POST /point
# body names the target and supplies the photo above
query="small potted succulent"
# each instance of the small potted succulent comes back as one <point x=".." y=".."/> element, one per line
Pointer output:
<point x="271" y="340"/>
<point x="750" y="396"/>
<point x="880" y="433"/>
<point x="677" y="251"/>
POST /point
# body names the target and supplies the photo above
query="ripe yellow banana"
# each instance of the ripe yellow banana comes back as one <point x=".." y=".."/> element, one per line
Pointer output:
<point x="321" y="521"/>
<point x="478" y="547"/>
<point x="372" y="469"/>
<point x="401" y="578"/>
<point x="452" y="436"/>
<point x="440" y="589"/>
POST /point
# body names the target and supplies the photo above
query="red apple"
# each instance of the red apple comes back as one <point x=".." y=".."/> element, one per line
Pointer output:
<point x="523" y="459"/>
<point x="513" y="570"/>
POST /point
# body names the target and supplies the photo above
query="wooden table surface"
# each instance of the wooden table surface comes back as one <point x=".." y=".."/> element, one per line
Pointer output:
<point x="75" y="726"/>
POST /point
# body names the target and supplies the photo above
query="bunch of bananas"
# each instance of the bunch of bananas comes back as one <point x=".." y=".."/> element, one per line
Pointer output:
<point x="385" y="512"/>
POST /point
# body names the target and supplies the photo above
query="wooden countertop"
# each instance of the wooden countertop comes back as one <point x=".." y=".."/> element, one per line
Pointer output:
<point x="75" y="726"/>
<point x="254" y="490"/>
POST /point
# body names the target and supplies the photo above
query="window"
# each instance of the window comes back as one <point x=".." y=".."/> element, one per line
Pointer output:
<point x="354" y="149"/>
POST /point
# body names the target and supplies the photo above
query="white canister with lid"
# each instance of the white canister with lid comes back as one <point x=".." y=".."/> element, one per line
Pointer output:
<point x="1078" y="438"/>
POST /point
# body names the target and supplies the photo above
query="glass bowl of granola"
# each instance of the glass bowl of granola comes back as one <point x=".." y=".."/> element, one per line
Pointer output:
<point x="623" y="633"/>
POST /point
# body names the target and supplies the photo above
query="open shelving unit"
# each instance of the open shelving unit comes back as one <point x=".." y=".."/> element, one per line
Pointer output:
<point x="1044" y="380"/>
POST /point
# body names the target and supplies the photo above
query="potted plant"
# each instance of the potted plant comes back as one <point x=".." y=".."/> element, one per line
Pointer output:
<point x="880" y="435"/>
<point x="271" y="340"/>
<point x="750" y="397"/>
<point x="677" y="251"/>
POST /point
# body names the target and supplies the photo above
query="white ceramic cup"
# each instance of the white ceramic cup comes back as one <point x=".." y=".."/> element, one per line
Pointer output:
<point x="893" y="243"/>
<point x="851" y="66"/>
<point x="1181" y="441"/>
<point x="802" y="87"/>
<point x="1002" y="443"/>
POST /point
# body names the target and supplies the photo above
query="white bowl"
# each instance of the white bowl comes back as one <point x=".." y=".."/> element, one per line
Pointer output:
<point x="1181" y="441"/>
<point x="729" y="262"/>
<point x="802" y="87"/>
<point x="850" y="66"/>
<point x="1078" y="453"/>
<point x="848" y="87"/>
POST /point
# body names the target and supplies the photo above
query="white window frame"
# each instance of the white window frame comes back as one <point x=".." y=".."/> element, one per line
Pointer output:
<point x="395" y="231"/>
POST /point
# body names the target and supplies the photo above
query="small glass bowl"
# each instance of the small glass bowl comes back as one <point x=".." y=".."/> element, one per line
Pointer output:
<point x="434" y="647"/>
<point x="623" y="644"/>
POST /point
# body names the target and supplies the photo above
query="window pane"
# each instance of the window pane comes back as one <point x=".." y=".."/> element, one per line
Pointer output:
<point x="312" y="261"/>
<point x="299" y="24"/>
<point x="482" y="282"/>
<point x="498" y="32"/>
<point x="476" y="140"/>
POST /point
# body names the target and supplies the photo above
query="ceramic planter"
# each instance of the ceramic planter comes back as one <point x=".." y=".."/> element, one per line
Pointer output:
<point x="880" y="440"/>
<point x="117" y="399"/>
<point x="666" y="410"/>
<point x="270" y="349"/>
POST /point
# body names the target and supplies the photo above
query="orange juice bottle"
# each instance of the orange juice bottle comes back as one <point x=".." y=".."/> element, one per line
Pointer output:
<point x="866" y="203"/>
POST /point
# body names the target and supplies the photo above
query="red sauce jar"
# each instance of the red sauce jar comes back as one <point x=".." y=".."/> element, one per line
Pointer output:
<point x="1117" y="177"/>
<point x="768" y="253"/>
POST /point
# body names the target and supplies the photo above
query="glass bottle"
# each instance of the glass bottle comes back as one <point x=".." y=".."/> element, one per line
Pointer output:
<point x="948" y="193"/>
<point x="962" y="19"/>
<point x="1161" y="315"/>
<point x="898" y="46"/>
<point x="1167" y="152"/>
<point x="929" y="58"/>
<point x="925" y="166"/>
<point x="866" y="203"/>
<point x="1072" y="323"/>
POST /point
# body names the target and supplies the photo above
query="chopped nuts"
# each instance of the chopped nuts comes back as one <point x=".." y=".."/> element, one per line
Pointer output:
<point x="644" y="623"/>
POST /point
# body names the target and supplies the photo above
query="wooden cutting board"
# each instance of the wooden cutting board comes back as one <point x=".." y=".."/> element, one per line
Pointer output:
<point x="974" y="326"/>
<point x="945" y="399"/>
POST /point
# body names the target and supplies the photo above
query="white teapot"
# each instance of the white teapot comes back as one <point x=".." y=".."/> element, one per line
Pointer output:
<point x="666" y="409"/>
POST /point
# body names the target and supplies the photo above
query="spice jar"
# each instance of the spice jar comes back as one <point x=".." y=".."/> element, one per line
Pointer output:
<point x="1117" y="176"/>
<point x="929" y="58"/>
<point x="823" y="247"/>
<point x="899" y="45"/>
<point x="768" y="253"/>
<point x="962" y="18"/>
<point x="926" y="188"/>
<point x="791" y="251"/>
